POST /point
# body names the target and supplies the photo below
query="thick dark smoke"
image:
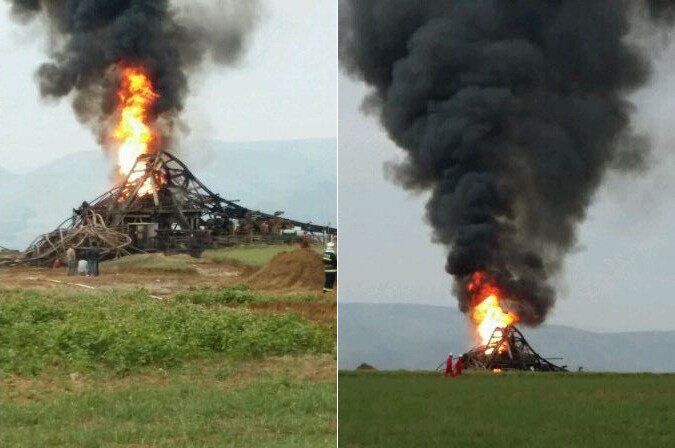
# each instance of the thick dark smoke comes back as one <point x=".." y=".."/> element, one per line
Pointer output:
<point x="90" y="38"/>
<point x="661" y="9"/>
<point x="511" y="112"/>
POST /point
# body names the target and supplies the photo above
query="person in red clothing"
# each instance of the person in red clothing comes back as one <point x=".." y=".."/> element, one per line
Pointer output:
<point x="448" y="366"/>
<point x="458" y="367"/>
<point x="449" y="370"/>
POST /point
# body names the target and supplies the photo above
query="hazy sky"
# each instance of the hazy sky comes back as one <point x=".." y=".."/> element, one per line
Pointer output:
<point x="284" y="88"/>
<point x="621" y="278"/>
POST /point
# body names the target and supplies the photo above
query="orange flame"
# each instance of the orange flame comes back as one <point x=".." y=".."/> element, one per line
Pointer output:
<point x="486" y="311"/>
<point x="133" y="134"/>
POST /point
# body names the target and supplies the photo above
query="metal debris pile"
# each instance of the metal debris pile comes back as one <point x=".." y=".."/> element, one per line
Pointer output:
<point x="162" y="207"/>
<point x="508" y="349"/>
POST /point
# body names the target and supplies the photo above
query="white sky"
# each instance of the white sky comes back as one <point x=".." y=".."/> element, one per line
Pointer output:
<point x="621" y="278"/>
<point x="285" y="88"/>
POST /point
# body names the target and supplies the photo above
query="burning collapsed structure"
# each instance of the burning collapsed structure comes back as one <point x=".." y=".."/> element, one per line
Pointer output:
<point x="162" y="206"/>
<point x="127" y="66"/>
<point x="158" y="204"/>
<point x="501" y="346"/>
<point x="507" y="349"/>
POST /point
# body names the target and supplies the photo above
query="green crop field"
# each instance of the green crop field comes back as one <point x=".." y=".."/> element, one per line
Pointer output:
<point x="240" y="295"/>
<point x="113" y="368"/>
<point x="402" y="409"/>
<point x="255" y="256"/>
<point x="270" y="411"/>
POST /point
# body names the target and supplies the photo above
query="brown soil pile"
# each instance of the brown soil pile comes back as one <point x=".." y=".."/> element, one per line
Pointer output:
<point x="301" y="269"/>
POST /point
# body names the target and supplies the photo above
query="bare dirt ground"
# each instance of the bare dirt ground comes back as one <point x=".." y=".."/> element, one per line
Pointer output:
<point x="157" y="283"/>
<point x="295" y="272"/>
<point x="298" y="271"/>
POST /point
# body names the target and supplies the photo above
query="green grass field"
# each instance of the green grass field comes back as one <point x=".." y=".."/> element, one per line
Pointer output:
<point x="400" y="409"/>
<point x="199" y="409"/>
<point x="255" y="256"/>
<point x="113" y="368"/>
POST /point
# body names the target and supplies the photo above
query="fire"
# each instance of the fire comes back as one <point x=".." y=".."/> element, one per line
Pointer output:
<point x="133" y="133"/>
<point x="486" y="311"/>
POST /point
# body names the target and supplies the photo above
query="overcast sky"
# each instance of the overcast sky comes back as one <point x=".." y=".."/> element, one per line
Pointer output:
<point x="285" y="88"/>
<point x="621" y="278"/>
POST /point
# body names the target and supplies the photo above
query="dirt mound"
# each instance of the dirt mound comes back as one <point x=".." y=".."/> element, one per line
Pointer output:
<point x="301" y="269"/>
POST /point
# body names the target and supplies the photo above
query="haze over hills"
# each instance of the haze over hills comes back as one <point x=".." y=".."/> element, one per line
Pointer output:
<point x="298" y="177"/>
<point x="5" y="176"/>
<point x="419" y="337"/>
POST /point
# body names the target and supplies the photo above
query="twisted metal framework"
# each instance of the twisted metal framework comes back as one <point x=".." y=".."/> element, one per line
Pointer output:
<point x="92" y="228"/>
<point x="160" y="206"/>
<point x="508" y="349"/>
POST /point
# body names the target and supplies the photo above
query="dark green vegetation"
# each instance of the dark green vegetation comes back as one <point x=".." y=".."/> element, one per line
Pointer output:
<point x="123" y="330"/>
<point x="383" y="409"/>
<point x="238" y="295"/>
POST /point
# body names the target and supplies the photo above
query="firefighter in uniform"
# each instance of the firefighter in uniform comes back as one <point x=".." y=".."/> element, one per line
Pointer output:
<point x="329" y="267"/>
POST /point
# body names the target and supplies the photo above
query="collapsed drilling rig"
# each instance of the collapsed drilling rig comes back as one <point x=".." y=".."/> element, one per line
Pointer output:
<point x="161" y="206"/>
<point x="507" y="349"/>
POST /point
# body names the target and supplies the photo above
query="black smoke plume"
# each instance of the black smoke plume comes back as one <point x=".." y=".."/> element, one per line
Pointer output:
<point x="89" y="39"/>
<point x="510" y="112"/>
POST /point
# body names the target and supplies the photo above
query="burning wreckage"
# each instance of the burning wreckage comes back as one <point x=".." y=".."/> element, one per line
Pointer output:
<point x="158" y="205"/>
<point x="130" y="89"/>
<point x="502" y="346"/>
<point x="162" y="207"/>
<point x="507" y="349"/>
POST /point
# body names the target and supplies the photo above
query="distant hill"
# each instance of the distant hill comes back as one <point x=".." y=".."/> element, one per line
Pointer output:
<point x="298" y="177"/>
<point x="6" y="176"/>
<point x="419" y="337"/>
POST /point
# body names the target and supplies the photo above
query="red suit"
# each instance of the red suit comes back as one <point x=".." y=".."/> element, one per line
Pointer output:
<point x="457" y="371"/>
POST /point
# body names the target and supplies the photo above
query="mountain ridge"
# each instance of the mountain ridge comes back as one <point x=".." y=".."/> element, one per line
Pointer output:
<point x="419" y="337"/>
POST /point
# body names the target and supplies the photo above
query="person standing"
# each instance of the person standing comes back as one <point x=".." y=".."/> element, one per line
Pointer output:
<point x="329" y="267"/>
<point x="456" y="370"/>
<point x="71" y="261"/>
<point x="93" y="257"/>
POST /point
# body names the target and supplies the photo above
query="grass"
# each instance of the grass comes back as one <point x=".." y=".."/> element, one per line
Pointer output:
<point x="113" y="368"/>
<point x="267" y="412"/>
<point x="176" y="264"/>
<point x="125" y="330"/>
<point x="255" y="256"/>
<point x="404" y="409"/>
<point x="239" y="295"/>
